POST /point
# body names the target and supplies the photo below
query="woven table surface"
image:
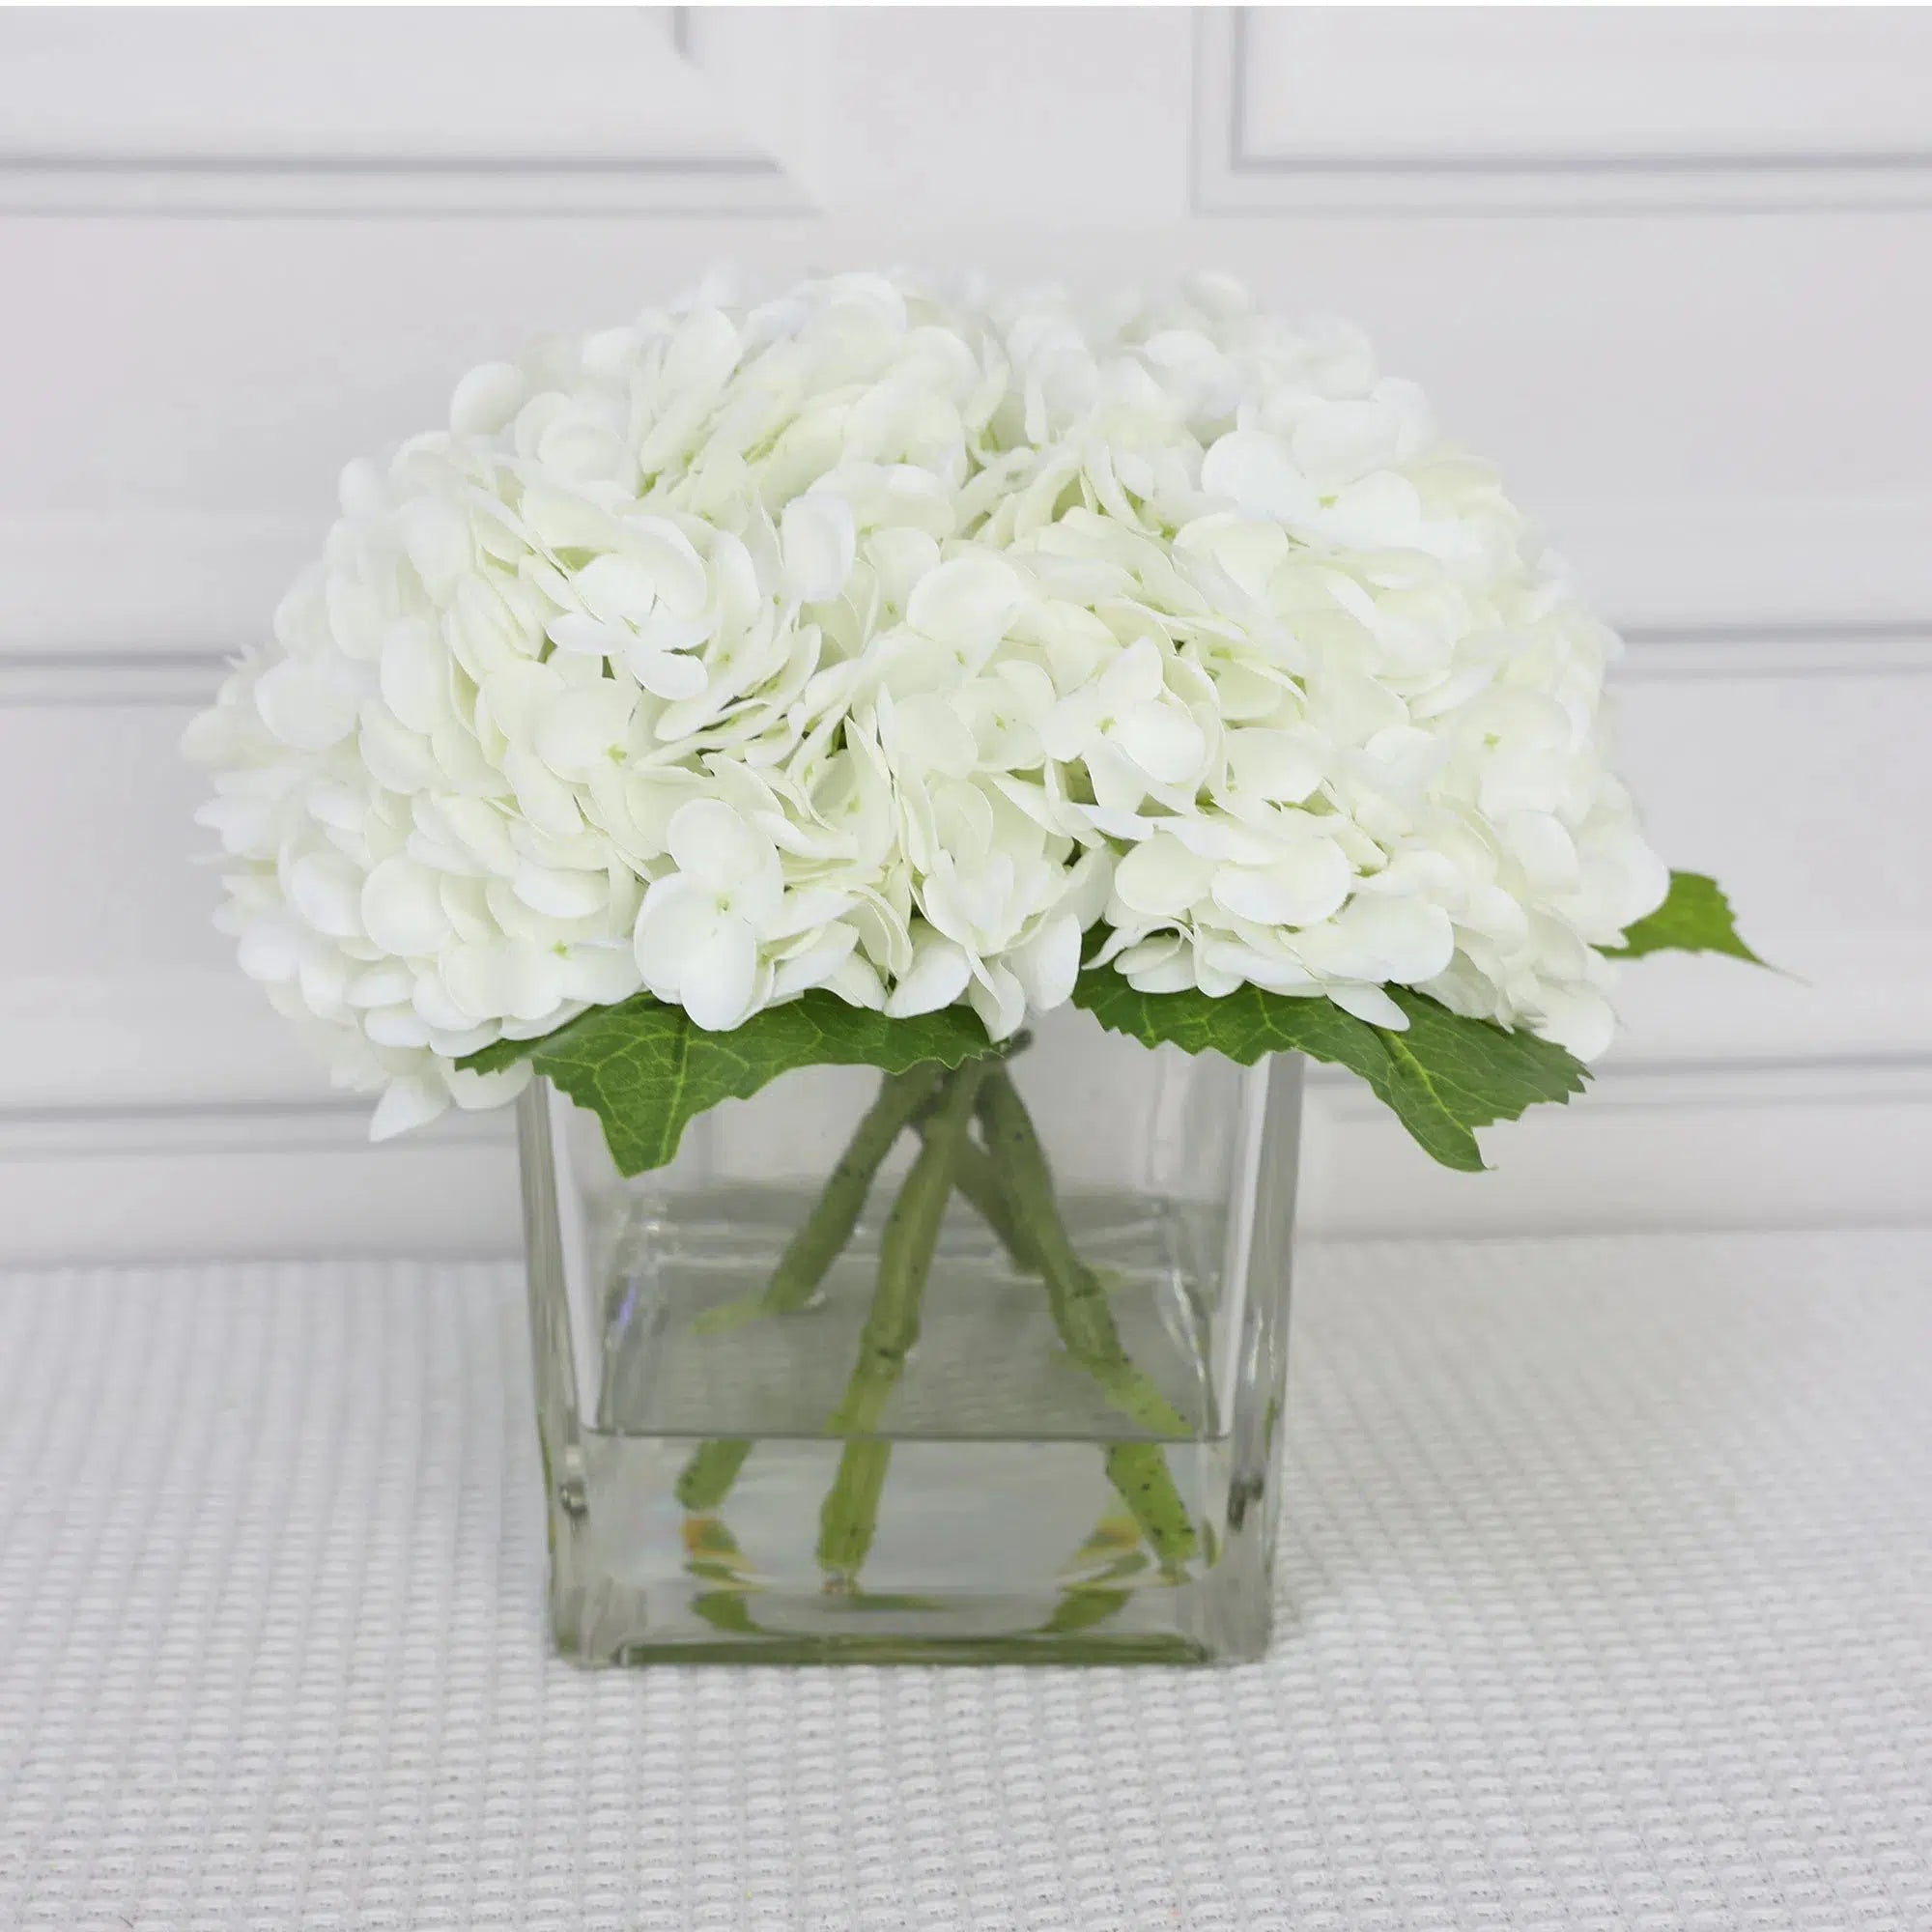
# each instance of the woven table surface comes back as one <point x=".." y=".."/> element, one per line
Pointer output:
<point x="1606" y="1587"/>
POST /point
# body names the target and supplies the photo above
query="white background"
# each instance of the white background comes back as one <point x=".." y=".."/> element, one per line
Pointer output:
<point x="1673" y="268"/>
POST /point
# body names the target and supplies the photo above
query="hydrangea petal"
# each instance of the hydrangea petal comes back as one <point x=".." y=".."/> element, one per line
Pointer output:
<point x="967" y="603"/>
<point x="1163" y="740"/>
<point x="1161" y="877"/>
<point x="720" y="976"/>
<point x="712" y="843"/>
<point x="579" y="729"/>
<point x="1048" y="964"/>
<point x="1304" y="885"/>
<point x="819" y="538"/>
<point x="402" y="908"/>
<point x="1368" y="1003"/>
<point x="308" y="703"/>
<point x="487" y="398"/>
<point x="324" y="888"/>
<point x="412" y="1102"/>
<point x="666" y="675"/>
<point x="1254" y="471"/>
<point x="938" y="973"/>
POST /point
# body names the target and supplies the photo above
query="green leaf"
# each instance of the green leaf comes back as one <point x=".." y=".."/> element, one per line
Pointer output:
<point x="1445" y="1077"/>
<point x="646" y="1070"/>
<point x="1695" y="917"/>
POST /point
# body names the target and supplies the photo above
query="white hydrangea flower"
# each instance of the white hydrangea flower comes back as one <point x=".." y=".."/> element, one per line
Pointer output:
<point x="891" y="642"/>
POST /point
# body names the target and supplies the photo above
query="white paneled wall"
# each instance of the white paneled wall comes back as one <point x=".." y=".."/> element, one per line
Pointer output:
<point x="1562" y="108"/>
<point x="1674" y="270"/>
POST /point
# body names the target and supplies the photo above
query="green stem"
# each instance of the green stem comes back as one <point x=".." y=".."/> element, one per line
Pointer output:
<point x="1139" y="1473"/>
<point x="849" y="1517"/>
<point x="850" y="1514"/>
<point x="707" y="1478"/>
<point x="1105" y="1565"/>
<point x="1081" y="1608"/>
<point x="713" y="1559"/>
<point x="1137" y="1470"/>
<point x="817" y="1244"/>
<point x="977" y="1178"/>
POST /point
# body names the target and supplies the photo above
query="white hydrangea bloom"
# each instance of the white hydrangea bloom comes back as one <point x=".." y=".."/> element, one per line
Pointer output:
<point x="891" y="642"/>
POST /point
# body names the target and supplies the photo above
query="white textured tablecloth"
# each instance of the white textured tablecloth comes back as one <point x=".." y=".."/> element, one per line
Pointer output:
<point x="1608" y="1573"/>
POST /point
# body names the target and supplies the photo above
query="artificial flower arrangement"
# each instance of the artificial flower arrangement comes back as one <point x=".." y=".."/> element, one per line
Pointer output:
<point x="890" y="677"/>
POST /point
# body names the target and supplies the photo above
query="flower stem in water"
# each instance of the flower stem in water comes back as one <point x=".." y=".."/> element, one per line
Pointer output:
<point x="850" y="1514"/>
<point x="976" y="1179"/>
<point x="713" y="1467"/>
<point x="818" y="1243"/>
<point x="709" y="1471"/>
<point x="1137" y="1470"/>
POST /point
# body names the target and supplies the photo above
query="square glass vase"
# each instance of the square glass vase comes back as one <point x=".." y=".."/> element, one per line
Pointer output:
<point x="978" y="1367"/>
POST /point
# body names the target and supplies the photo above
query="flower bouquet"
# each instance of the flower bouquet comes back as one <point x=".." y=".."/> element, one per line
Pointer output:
<point x="898" y="781"/>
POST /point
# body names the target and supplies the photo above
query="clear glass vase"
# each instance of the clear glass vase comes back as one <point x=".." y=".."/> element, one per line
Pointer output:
<point x="773" y="1429"/>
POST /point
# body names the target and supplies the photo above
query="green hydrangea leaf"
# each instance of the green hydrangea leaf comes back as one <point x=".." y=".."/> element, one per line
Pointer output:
<point x="646" y="1071"/>
<point x="1445" y="1077"/>
<point x="1695" y="917"/>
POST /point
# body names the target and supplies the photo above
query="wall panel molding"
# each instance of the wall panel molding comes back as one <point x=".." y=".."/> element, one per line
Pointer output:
<point x="1851" y="647"/>
<point x="299" y="1128"/>
<point x="1709" y="1146"/>
<point x="337" y="1124"/>
<point x="92" y="679"/>
<point x="1858" y="143"/>
<point x="532" y="111"/>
